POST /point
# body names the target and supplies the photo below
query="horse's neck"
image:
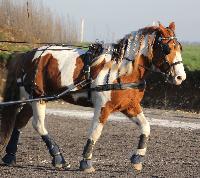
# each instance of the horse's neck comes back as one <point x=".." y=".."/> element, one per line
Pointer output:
<point x="140" y="53"/>
<point x="136" y="52"/>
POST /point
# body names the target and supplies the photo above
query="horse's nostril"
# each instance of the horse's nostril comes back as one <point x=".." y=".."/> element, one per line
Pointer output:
<point x="179" y="78"/>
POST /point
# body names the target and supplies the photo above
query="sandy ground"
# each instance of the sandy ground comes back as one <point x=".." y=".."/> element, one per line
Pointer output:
<point x="172" y="152"/>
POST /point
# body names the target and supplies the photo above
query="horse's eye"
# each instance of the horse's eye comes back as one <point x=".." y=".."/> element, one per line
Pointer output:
<point x="166" y="49"/>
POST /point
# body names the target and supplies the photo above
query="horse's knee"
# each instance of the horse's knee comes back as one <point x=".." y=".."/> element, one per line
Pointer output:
<point x="23" y="116"/>
<point x="96" y="131"/>
<point x="39" y="117"/>
<point x="143" y="124"/>
<point x="39" y="109"/>
<point x="39" y="127"/>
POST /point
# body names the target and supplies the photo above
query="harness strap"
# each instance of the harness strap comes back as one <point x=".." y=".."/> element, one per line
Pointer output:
<point x="115" y="86"/>
<point x="90" y="56"/>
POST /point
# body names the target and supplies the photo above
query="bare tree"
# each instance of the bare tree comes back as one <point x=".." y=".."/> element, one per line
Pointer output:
<point x="27" y="20"/>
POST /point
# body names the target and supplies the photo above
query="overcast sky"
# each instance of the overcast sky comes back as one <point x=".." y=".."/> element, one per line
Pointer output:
<point x="112" y="19"/>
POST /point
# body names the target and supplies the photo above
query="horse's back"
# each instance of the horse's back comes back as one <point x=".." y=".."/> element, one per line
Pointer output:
<point x="63" y="59"/>
<point x="61" y="53"/>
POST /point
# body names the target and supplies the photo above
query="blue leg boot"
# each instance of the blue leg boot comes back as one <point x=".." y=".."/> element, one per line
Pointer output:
<point x="137" y="161"/>
<point x="58" y="160"/>
<point x="86" y="163"/>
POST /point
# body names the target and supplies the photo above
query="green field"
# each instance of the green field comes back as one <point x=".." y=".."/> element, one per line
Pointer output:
<point x="190" y="54"/>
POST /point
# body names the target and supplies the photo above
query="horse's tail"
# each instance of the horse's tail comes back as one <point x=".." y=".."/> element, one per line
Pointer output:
<point x="8" y="113"/>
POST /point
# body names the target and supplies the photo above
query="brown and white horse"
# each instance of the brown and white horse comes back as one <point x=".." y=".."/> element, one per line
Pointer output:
<point x="50" y="69"/>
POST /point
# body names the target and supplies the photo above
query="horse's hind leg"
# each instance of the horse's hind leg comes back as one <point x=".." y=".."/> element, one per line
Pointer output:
<point x="39" y="125"/>
<point x="138" y="158"/>
<point x="22" y="119"/>
<point x="99" y="119"/>
<point x="10" y="158"/>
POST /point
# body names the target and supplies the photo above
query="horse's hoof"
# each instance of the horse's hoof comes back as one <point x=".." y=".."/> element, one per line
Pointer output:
<point x="86" y="166"/>
<point x="137" y="161"/>
<point x="89" y="170"/>
<point x="137" y="167"/>
<point x="59" y="162"/>
<point x="60" y="166"/>
<point x="9" y="159"/>
<point x="67" y="166"/>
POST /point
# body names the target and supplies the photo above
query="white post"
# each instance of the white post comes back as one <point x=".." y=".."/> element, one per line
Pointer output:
<point x="82" y="29"/>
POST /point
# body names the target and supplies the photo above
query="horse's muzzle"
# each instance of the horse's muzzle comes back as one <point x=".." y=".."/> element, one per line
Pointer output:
<point x="176" y="80"/>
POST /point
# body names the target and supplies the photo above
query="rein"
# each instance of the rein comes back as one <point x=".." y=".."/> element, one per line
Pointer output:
<point x="47" y="98"/>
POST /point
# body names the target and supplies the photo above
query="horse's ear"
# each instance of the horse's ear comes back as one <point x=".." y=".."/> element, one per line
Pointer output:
<point x="172" y="26"/>
<point x="162" y="28"/>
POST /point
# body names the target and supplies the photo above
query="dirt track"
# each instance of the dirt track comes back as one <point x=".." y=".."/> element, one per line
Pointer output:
<point x="172" y="152"/>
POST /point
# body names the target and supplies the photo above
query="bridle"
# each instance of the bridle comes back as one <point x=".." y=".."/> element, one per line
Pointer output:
<point x="165" y="50"/>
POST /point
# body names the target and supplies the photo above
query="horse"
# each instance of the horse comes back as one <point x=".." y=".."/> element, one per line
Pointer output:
<point x="50" y="70"/>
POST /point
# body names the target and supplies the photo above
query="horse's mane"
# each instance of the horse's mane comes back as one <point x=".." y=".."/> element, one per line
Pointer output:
<point x="122" y="44"/>
<point x="121" y="49"/>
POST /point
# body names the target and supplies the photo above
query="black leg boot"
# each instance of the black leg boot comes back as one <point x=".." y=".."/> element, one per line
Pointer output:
<point x="10" y="158"/>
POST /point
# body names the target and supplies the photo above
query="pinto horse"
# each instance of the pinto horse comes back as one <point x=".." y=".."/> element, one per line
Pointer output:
<point x="51" y="69"/>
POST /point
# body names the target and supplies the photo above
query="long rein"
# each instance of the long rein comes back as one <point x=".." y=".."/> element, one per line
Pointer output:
<point x="82" y="84"/>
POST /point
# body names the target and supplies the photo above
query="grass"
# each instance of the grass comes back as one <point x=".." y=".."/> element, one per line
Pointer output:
<point x="191" y="57"/>
<point x="190" y="54"/>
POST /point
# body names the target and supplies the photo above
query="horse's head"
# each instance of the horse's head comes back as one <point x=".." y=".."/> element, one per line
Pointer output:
<point x="167" y="54"/>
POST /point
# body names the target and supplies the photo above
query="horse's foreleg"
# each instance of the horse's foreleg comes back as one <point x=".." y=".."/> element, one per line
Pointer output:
<point x="138" y="158"/>
<point x="99" y="119"/>
<point x="39" y="125"/>
<point x="22" y="118"/>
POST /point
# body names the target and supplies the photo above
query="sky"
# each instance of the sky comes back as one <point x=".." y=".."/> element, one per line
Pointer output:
<point x="110" y="20"/>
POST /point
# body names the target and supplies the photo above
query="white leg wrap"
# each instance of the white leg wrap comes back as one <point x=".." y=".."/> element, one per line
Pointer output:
<point x="141" y="151"/>
<point x="39" y="117"/>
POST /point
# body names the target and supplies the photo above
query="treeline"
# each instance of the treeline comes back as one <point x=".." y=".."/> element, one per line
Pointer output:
<point x="33" y="21"/>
